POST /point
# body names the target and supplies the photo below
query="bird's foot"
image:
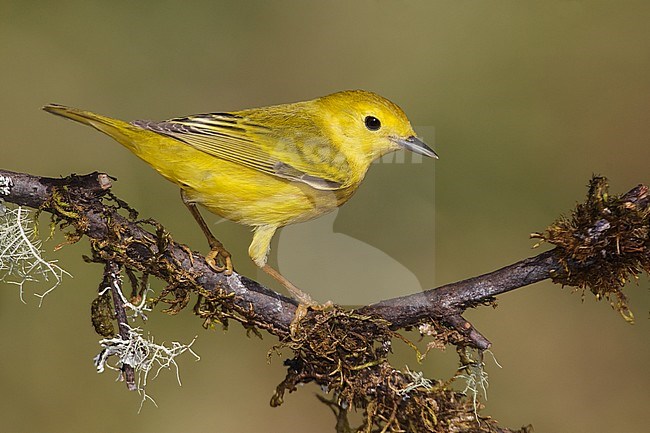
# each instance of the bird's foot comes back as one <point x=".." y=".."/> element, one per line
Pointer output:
<point x="301" y="312"/>
<point x="305" y="302"/>
<point x="219" y="258"/>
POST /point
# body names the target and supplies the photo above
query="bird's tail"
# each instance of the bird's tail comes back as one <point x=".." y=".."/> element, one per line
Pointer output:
<point x="125" y="133"/>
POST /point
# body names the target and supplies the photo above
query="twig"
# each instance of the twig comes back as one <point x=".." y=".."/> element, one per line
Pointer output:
<point x="112" y="282"/>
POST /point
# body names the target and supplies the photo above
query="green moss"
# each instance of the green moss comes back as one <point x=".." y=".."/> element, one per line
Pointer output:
<point x="102" y="315"/>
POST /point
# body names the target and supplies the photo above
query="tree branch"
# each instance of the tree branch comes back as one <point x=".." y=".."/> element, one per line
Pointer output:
<point x="445" y="303"/>
<point x="604" y="242"/>
<point x="448" y="302"/>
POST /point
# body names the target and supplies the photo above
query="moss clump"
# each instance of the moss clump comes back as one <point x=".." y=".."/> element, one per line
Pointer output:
<point x="346" y="354"/>
<point x="604" y="243"/>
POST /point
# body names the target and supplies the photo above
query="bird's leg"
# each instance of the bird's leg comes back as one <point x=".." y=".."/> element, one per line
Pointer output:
<point x="217" y="251"/>
<point x="297" y="294"/>
<point x="304" y="300"/>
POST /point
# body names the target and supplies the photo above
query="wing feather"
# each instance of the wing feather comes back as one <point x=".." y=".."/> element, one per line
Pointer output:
<point x="236" y="139"/>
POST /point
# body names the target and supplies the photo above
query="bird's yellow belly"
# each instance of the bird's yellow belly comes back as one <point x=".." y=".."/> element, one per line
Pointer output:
<point x="256" y="199"/>
<point x="241" y="194"/>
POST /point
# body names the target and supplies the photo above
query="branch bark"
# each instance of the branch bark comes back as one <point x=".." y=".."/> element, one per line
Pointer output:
<point x="274" y="311"/>
<point x="447" y="303"/>
<point x="604" y="242"/>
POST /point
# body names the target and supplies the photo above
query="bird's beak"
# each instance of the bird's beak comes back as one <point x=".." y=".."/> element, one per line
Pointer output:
<point x="416" y="145"/>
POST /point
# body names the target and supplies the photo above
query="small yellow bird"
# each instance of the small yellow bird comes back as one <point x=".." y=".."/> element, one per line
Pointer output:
<point x="266" y="167"/>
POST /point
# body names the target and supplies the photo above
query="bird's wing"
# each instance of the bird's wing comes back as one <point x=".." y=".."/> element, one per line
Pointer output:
<point x="233" y="138"/>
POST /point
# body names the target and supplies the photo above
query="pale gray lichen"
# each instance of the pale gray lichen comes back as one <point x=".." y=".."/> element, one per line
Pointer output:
<point x="143" y="354"/>
<point x="21" y="258"/>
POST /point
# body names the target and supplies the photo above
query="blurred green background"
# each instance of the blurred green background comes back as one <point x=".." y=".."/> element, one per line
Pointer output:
<point x="522" y="100"/>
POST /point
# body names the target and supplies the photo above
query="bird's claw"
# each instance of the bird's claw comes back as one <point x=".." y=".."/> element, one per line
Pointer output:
<point x="301" y="312"/>
<point x="219" y="260"/>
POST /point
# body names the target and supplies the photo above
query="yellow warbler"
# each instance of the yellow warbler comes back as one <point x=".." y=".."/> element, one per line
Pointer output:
<point x="266" y="167"/>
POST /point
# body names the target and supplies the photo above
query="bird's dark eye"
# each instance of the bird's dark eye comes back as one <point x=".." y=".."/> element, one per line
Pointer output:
<point x="372" y="123"/>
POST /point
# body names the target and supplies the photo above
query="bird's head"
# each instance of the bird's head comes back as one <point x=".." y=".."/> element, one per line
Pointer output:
<point x="365" y="126"/>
